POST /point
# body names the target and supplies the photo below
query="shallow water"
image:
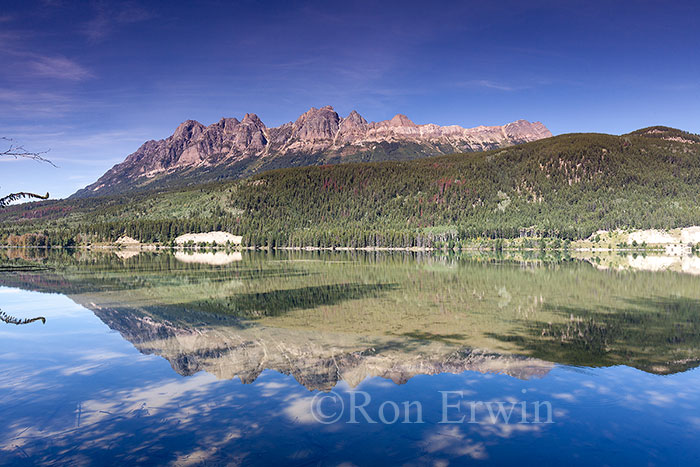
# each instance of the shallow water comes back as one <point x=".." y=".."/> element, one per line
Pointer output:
<point x="339" y="358"/>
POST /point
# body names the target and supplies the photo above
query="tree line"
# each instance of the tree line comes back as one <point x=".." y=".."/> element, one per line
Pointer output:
<point x="565" y="187"/>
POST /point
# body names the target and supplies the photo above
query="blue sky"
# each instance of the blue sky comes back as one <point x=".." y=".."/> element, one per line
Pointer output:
<point x="92" y="80"/>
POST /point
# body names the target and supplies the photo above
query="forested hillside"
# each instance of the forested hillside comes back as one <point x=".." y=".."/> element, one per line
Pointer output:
<point x="568" y="186"/>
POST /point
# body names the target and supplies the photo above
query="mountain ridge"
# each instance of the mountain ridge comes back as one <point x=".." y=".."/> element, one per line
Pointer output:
<point x="232" y="148"/>
<point x="568" y="186"/>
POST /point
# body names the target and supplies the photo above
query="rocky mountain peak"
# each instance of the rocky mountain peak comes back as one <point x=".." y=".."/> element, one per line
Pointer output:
<point x="351" y="128"/>
<point x="317" y="124"/>
<point x="355" y="119"/>
<point x="401" y="120"/>
<point x="188" y="129"/>
<point x="522" y="130"/>
<point x="228" y="124"/>
<point x="252" y="119"/>
<point x="318" y="136"/>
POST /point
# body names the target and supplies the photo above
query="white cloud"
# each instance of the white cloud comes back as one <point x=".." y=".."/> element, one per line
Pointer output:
<point x="450" y="440"/>
<point x="485" y="83"/>
<point x="566" y="396"/>
<point x="300" y="410"/>
<point x="59" y="68"/>
<point x="107" y="19"/>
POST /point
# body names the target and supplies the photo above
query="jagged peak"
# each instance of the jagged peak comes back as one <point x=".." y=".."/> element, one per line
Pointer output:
<point x="355" y="117"/>
<point x="227" y="124"/>
<point x="188" y="129"/>
<point x="519" y="123"/>
<point x="326" y="110"/>
<point x="319" y="133"/>
<point x="311" y="111"/>
<point x="522" y="127"/>
<point x="252" y="119"/>
<point x="317" y="124"/>
<point x="226" y="120"/>
<point x="401" y="120"/>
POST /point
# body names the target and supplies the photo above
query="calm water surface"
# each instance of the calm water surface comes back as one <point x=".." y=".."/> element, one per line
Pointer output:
<point x="352" y="359"/>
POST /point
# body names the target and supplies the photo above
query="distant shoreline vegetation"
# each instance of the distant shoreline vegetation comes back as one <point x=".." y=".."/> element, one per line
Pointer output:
<point x="553" y="192"/>
<point x="604" y="242"/>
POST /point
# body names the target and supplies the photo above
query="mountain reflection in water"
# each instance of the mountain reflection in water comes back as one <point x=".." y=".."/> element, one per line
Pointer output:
<point x="255" y="340"/>
<point x="361" y="315"/>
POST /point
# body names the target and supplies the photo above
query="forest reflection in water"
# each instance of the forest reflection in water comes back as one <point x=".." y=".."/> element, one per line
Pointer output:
<point x="147" y="358"/>
<point x="356" y="308"/>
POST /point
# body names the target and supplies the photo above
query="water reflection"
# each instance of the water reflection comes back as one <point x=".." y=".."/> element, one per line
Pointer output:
<point x="330" y="317"/>
<point x="214" y="258"/>
<point x="655" y="263"/>
<point x="253" y="341"/>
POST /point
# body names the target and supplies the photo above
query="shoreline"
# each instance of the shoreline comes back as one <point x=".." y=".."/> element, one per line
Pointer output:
<point x="674" y="242"/>
<point x="157" y="247"/>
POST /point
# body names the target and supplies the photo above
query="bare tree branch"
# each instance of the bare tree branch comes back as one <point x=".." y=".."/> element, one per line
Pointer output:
<point x="18" y="151"/>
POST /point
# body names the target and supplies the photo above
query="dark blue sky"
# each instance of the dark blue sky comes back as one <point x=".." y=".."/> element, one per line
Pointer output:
<point x="93" y="80"/>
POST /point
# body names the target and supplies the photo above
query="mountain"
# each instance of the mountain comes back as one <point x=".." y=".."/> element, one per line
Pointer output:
<point x="232" y="149"/>
<point x="568" y="187"/>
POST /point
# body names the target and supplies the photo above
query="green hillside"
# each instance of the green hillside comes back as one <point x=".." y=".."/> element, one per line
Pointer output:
<point x="567" y="186"/>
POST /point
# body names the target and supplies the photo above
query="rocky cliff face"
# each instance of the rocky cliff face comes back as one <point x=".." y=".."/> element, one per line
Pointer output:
<point x="231" y="148"/>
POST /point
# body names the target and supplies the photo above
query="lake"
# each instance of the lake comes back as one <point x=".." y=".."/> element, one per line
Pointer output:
<point x="332" y="358"/>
